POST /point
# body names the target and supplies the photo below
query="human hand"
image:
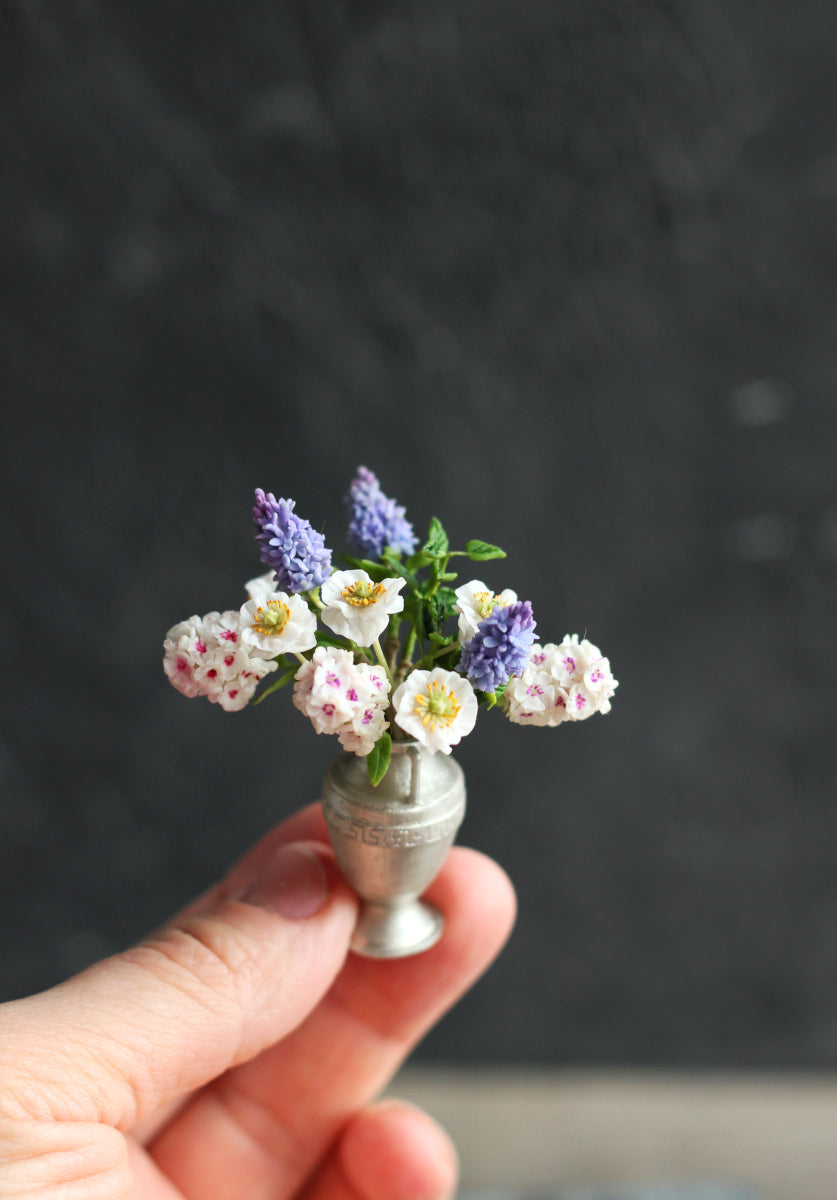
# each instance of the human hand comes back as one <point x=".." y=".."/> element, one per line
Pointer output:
<point x="236" y="1053"/>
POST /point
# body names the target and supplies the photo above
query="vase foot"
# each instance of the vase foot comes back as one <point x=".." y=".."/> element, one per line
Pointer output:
<point x="395" y="931"/>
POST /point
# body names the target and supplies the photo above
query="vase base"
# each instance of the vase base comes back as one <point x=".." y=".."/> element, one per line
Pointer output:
<point x="396" y="931"/>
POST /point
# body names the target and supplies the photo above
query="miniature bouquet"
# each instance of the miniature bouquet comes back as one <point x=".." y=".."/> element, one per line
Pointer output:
<point x="370" y="645"/>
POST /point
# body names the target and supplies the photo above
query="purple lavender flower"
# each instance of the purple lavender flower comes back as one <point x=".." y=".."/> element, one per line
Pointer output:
<point x="290" y="545"/>
<point x="376" y="521"/>
<point x="500" y="647"/>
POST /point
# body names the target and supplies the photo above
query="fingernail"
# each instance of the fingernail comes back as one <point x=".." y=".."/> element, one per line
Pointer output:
<point x="295" y="884"/>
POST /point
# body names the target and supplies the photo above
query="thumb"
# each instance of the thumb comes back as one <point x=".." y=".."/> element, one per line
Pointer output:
<point x="241" y="969"/>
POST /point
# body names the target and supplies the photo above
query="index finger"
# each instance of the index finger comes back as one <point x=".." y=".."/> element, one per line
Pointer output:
<point x="268" y="1122"/>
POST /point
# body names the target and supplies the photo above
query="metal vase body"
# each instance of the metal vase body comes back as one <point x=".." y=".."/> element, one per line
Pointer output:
<point x="391" y="840"/>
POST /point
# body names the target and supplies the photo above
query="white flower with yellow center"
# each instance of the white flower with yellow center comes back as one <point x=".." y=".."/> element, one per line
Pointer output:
<point x="277" y="624"/>
<point x="475" y="603"/>
<point x="358" y="609"/>
<point x="438" y="708"/>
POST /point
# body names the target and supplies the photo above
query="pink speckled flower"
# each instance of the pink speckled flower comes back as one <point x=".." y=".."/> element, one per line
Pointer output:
<point x="341" y="696"/>
<point x="205" y="656"/>
<point x="569" y="682"/>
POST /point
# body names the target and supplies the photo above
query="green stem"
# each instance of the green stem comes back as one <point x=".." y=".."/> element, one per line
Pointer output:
<point x="393" y="642"/>
<point x="440" y="566"/>
<point x="430" y="657"/>
<point x="409" y="646"/>
<point x="314" y="597"/>
<point x="379" y="654"/>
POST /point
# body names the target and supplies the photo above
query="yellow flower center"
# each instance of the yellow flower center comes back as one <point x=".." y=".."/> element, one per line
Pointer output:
<point x="436" y="705"/>
<point x="271" y="618"/>
<point x="363" y="592"/>
<point x="487" y="602"/>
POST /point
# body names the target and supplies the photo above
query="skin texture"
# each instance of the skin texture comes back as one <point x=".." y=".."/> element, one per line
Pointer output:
<point x="238" y="1051"/>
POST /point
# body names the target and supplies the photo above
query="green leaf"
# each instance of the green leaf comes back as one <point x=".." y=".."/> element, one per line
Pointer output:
<point x="418" y="560"/>
<point x="447" y="599"/>
<point x="330" y="639"/>
<point x="416" y="605"/>
<point x="479" y="551"/>
<point x="408" y="612"/>
<point x="279" y="682"/>
<point x="488" y="700"/>
<point x="375" y="570"/>
<point x="451" y="661"/>
<point x="437" y="543"/>
<point x="432" y="615"/>
<point x="394" y="566"/>
<point x="444" y="651"/>
<point x="377" y="760"/>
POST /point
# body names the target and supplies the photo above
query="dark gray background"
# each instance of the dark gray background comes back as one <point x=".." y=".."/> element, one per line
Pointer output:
<point x="562" y="274"/>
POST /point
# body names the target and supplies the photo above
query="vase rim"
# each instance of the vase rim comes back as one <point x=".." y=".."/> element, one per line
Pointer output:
<point x="411" y="747"/>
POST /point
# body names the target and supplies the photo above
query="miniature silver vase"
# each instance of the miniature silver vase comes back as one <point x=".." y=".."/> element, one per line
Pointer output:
<point x="390" y="842"/>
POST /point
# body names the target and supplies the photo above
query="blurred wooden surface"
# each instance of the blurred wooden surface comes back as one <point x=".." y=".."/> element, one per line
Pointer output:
<point x="549" y="1131"/>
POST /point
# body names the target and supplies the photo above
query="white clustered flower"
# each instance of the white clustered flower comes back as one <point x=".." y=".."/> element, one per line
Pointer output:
<point x="476" y="602"/>
<point x="262" y="585"/>
<point x="358" y="609"/>
<point x="534" y="697"/>
<point x="206" y="656"/>
<point x="276" y="623"/>
<point x="438" y="708"/>
<point x="569" y="682"/>
<point x="186" y="646"/>
<point x="585" y="673"/>
<point x="341" y="696"/>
